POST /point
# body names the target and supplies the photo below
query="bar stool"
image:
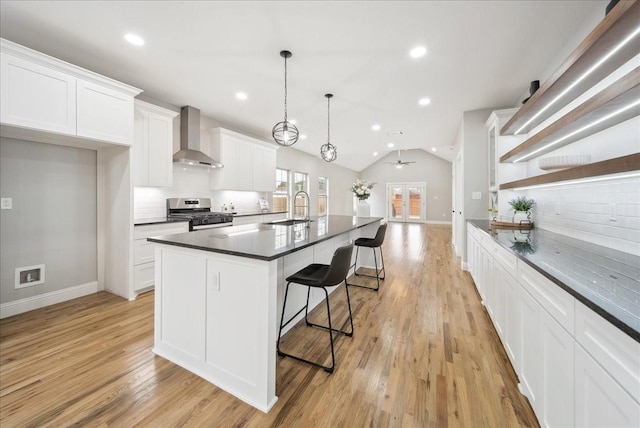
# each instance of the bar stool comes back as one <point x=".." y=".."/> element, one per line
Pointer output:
<point x="372" y="243"/>
<point x="320" y="276"/>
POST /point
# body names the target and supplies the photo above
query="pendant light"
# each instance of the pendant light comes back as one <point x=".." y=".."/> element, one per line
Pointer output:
<point x="328" y="151"/>
<point x="285" y="133"/>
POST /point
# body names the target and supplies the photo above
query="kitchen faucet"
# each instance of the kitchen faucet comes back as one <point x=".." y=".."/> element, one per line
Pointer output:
<point x="306" y="207"/>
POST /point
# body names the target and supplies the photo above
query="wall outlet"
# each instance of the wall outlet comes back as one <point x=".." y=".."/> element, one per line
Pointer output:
<point x="7" y="203"/>
<point x="476" y="195"/>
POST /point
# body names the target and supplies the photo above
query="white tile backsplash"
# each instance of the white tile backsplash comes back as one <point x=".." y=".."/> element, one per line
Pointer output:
<point x="582" y="211"/>
<point x="191" y="182"/>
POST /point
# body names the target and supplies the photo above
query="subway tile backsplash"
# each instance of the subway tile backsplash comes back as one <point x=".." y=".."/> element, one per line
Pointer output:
<point x="605" y="213"/>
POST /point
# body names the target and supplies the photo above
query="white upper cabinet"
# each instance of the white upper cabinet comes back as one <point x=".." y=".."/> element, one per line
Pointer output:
<point x="153" y="145"/>
<point x="45" y="94"/>
<point x="104" y="114"/>
<point x="35" y="96"/>
<point x="249" y="164"/>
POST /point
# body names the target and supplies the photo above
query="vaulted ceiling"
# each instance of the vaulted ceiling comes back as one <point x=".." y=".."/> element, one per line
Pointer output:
<point x="479" y="54"/>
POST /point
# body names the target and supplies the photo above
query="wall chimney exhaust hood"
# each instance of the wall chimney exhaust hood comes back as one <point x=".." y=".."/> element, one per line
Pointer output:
<point x="190" y="153"/>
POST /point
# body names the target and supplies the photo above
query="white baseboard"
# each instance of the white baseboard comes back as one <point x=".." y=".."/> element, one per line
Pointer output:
<point x="438" y="222"/>
<point x="36" y="302"/>
<point x="465" y="266"/>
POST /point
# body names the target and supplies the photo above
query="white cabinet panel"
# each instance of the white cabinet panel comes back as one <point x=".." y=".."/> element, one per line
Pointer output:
<point x="554" y="299"/>
<point x="530" y="370"/>
<point x="144" y="276"/>
<point x="148" y="230"/>
<point x="600" y="401"/>
<point x="513" y="321"/>
<point x="247" y="219"/>
<point x="36" y="96"/>
<point x="104" y="114"/>
<point x="497" y="302"/>
<point x="613" y="349"/>
<point x="245" y="165"/>
<point x="143" y="251"/>
<point x="556" y="374"/>
<point x="153" y="145"/>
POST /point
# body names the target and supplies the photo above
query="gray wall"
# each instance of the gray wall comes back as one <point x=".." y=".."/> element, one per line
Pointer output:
<point x="432" y="170"/>
<point x="53" y="220"/>
<point x="476" y="162"/>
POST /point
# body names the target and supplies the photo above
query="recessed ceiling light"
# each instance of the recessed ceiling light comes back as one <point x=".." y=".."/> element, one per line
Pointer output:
<point x="303" y="137"/>
<point x="418" y="51"/>
<point x="293" y="121"/>
<point x="376" y="127"/>
<point x="424" y="101"/>
<point x="433" y="149"/>
<point x="375" y="153"/>
<point x="390" y="145"/>
<point x="241" y="96"/>
<point x="134" y="39"/>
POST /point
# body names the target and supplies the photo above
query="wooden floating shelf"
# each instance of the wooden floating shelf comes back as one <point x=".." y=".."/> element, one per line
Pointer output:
<point x="611" y="166"/>
<point x="619" y="24"/>
<point x="618" y="95"/>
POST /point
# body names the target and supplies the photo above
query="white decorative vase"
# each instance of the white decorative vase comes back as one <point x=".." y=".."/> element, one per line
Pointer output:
<point x="363" y="209"/>
<point x="523" y="217"/>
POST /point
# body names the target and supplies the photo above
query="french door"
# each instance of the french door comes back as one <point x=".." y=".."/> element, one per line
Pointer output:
<point x="406" y="202"/>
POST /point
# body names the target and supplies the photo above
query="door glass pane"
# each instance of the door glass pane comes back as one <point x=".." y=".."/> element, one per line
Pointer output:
<point x="415" y="199"/>
<point x="397" y="204"/>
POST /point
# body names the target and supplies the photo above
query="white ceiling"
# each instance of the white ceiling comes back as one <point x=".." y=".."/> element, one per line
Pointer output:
<point x="480" y="54"/>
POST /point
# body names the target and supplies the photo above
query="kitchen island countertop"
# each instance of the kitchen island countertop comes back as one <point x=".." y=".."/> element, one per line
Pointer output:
<point x="266" y="241"/>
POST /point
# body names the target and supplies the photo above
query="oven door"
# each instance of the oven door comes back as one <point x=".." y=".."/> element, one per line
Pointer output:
<point x="210" y="226"/>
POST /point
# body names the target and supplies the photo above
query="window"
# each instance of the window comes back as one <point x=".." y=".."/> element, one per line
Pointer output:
<point x="323" y="195"/>
<point x="300" y="183"/>
<point x="281" y="194"/>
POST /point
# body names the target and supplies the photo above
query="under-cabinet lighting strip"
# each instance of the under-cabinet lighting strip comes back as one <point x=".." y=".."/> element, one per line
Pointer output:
<point x="581" y="78"/>
<point x="571" y="134"/>
<point x="579" y="181"/>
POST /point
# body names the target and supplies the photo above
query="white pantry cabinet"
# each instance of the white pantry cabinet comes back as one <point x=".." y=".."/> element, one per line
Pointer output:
<point x="144" y="252"/>
<point x="153" y="145"/>
<point x="45" y="94"/>
<point x="249" y="164"/>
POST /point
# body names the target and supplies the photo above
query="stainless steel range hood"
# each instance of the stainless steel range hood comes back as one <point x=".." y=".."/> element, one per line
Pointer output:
<point x="190" y="153"/>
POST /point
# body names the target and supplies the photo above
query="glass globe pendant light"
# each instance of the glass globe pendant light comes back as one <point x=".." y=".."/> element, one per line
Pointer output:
<point x="285" y="133"/>
<point x="328" y="151"/>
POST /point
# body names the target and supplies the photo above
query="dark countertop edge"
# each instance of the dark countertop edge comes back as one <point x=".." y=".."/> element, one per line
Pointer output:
<point x="255" y="256"/>
<point x="259" y="213"/>
<point x="159" y="220"/>
<point x="590" y="304"/>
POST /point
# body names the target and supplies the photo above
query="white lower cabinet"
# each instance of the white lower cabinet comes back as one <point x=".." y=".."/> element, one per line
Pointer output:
<point x="144" y="252"/>
<point x="556" y="373"/>
<point x="574" y="366"/>
<point x="600" y="401"/>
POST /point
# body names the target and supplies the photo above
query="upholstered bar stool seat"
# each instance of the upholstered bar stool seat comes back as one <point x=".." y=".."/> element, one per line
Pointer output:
<point x="320" y="276"/>
<point x="373" y="243"/>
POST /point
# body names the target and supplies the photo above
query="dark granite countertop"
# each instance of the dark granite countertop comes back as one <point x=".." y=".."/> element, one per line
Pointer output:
<point x="605" y="280"/>
<point x="157" y="220"/>
<point x="246" y="214"/>
<point x="266" y="241"/>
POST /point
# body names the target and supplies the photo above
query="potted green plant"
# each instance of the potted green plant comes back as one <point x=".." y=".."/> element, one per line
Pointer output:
<point x="522" y="207"/>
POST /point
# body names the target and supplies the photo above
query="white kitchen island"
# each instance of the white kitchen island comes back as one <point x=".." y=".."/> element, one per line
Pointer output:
<point x="219" y="293"/>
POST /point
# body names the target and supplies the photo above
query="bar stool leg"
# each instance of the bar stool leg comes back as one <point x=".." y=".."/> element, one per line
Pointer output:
<point x="333" y="358"/>
<point x="284" y="305"/>
<point x="355" y="265"/>
<point x="382" y="259"/>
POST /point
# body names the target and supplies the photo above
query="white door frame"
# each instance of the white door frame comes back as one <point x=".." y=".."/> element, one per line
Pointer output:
<point x="405" y="197"/>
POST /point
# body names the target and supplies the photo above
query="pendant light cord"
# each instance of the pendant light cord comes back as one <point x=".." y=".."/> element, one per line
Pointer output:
<point x="285" y="89"/>
<point x="328" y="120"/>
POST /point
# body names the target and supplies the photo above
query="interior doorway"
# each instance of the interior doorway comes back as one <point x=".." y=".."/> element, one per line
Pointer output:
<point x="406" y="202"/>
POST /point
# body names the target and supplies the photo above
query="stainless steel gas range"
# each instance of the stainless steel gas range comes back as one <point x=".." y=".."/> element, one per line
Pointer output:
<point x="198" y="212"/>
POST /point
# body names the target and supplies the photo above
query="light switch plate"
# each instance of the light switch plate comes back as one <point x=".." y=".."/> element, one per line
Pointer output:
<point x="7" y="203"/>
<point x="476" y="195"/>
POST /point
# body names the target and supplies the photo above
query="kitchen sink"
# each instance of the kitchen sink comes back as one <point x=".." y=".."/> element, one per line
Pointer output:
<point x="289" y="222"/>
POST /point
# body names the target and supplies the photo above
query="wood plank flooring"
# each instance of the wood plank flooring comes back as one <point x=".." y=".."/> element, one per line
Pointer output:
<point x="424" y="354"/>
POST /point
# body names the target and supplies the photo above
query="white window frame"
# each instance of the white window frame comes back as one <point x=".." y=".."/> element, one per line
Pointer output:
<point x="323" y="193"/>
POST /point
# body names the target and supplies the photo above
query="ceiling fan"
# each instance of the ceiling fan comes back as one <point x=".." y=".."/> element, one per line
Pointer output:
<point x="399" y="164"/>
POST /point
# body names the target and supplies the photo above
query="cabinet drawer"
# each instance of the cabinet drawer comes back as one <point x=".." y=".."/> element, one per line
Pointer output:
<point x="143" y="251"/>
<point x="145" y="231"/>
<point x="144" y="276"/>
<point x="610" y="347"/>
<point x="506" y="259"/>
<point x="550" y="296"/>
<point x="273" y="217"/>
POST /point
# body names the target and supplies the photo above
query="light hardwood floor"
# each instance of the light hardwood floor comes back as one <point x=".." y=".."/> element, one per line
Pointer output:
<point x="424" y="354"/>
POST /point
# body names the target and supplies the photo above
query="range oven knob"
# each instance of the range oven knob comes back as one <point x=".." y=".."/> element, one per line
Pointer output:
<point x="204" y="221"/>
